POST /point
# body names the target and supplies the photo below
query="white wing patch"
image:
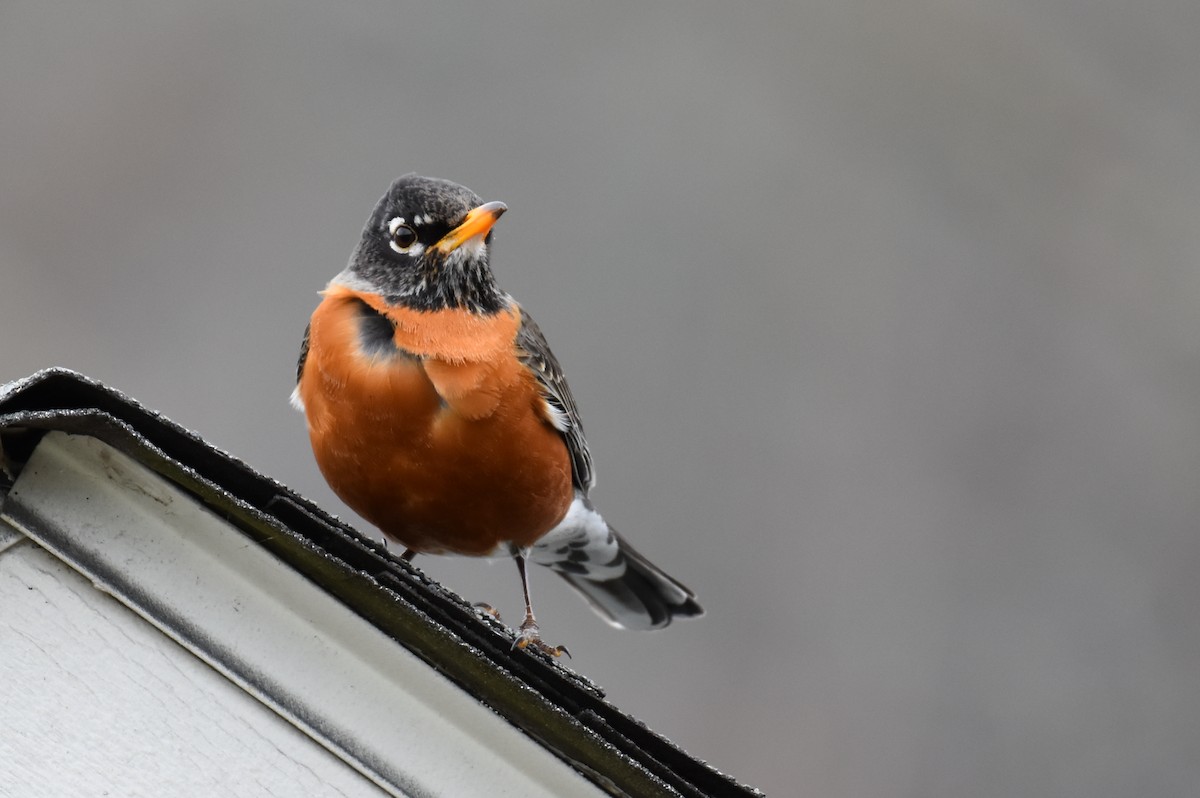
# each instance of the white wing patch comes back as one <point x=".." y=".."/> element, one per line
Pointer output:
<point x="295" y="399"/>
<point x="557" y="418"/>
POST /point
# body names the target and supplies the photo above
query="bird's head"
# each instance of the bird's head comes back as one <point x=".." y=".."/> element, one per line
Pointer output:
<point x="426" y="246"/>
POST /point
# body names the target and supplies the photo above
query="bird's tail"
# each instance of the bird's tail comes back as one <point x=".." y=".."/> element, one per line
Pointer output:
<point x="621" y="585"/>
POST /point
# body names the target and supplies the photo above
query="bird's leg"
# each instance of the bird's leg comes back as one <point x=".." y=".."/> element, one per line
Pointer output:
<point x="408" y="555"/>
<point x="530" y="634"/>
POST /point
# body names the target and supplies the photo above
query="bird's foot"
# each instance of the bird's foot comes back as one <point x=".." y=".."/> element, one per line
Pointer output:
<point x="487" y="609"/>
<point x="531" y="636"/>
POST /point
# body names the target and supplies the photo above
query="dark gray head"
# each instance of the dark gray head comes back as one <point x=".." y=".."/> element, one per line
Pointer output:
<point x="426" y="246"/>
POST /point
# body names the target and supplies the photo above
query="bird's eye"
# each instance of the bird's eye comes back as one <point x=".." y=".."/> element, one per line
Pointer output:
<point x="402" y="236"/>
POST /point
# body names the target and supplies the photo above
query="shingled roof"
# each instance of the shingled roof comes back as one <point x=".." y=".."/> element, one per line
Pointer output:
<point x="60" y="414"/>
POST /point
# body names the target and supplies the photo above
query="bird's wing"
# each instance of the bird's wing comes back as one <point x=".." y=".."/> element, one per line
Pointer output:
<point x="303" y="353"/>
<point x="296" y="400"/>
<point x="561" y="411"/>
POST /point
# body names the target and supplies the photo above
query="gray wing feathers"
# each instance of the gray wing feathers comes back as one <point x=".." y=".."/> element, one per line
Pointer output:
<point x="303" y="352"/>
<point x="535" y="353"/>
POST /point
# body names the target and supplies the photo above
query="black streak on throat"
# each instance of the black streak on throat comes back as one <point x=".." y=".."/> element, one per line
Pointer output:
<point x="376" y="333"/>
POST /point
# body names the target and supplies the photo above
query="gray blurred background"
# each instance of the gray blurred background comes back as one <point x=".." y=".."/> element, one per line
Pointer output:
<point x="883" y="320"/>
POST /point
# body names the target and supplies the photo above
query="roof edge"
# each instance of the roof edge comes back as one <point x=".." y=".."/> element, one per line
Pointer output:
<point x="570" y="717"/>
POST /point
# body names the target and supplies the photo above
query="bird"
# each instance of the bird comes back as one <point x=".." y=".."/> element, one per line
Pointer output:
<point x="437" y="412"/>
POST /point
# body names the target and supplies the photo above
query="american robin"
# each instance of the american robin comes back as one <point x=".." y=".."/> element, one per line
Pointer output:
<point x="437" y="411"/>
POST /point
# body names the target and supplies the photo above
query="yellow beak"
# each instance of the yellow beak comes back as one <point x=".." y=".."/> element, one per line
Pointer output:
<point x="477" y="224"/>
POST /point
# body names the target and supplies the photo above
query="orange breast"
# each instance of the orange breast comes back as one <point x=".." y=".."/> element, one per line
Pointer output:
<point x="446" y="448"/>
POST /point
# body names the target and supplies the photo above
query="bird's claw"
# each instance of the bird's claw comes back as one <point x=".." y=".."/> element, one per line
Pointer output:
<point x="487" y="609"/>
<point x="530" y="637"/>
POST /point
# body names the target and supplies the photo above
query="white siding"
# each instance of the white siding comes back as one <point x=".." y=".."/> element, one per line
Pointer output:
<point x="97" y="702"/>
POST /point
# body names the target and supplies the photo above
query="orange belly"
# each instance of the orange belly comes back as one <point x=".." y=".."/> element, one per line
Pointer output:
<point x="441" y="455"/>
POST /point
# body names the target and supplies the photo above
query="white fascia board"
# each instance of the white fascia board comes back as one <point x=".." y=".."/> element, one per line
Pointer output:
<point x="96" y="700"/>
<point x="272" y="631"/>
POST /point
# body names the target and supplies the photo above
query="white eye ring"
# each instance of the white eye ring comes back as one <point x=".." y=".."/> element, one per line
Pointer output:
<point x="401" y="237"/>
